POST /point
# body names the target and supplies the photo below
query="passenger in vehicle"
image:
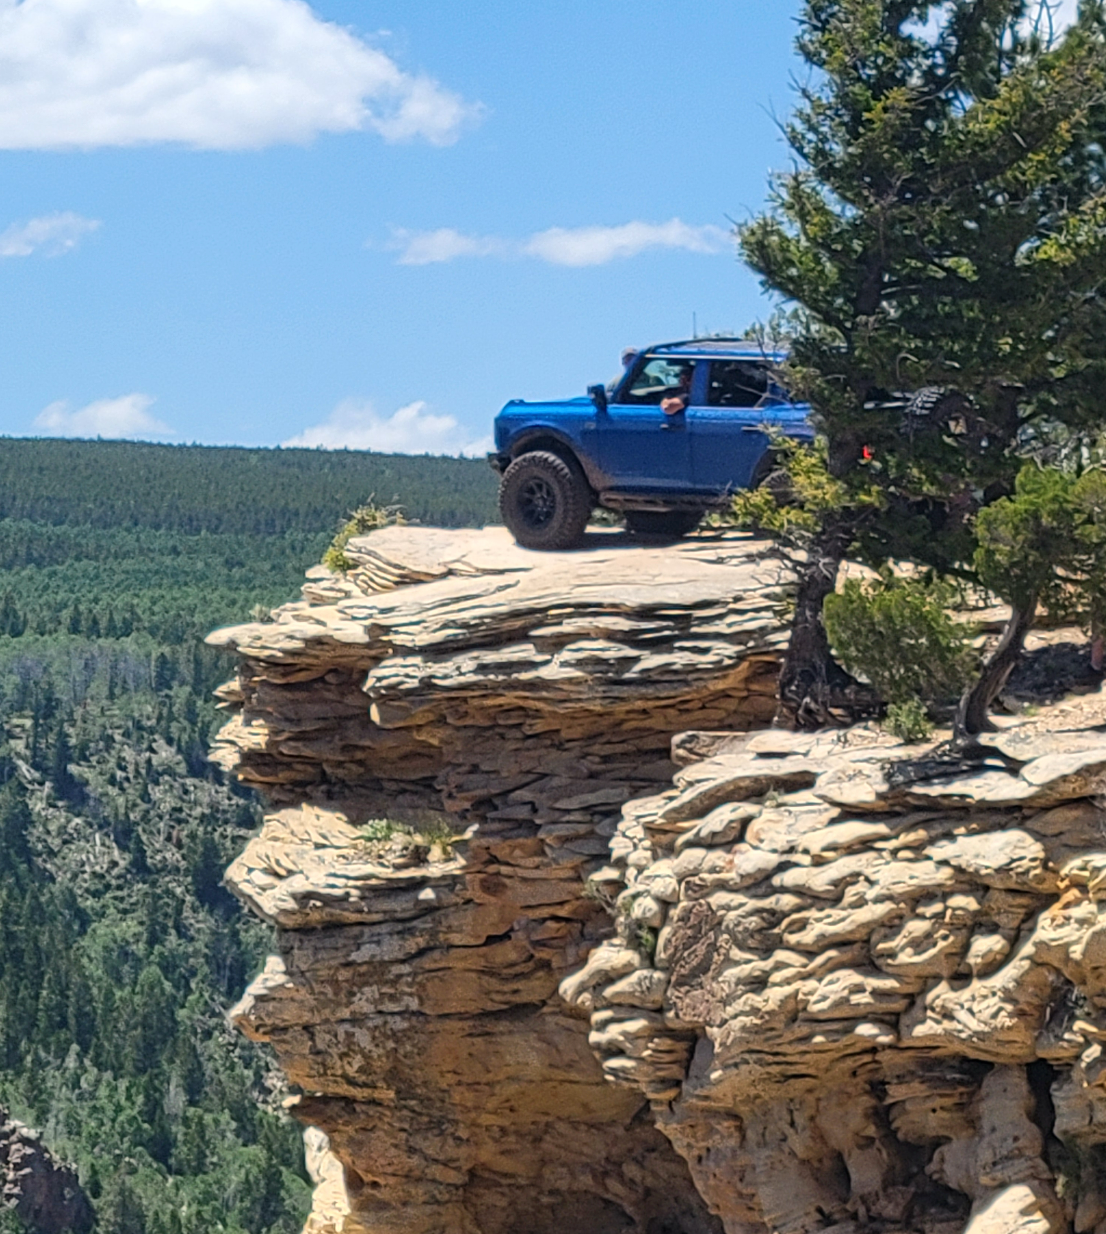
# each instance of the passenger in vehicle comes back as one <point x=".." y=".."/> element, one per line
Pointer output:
<point x="676" y="399"/>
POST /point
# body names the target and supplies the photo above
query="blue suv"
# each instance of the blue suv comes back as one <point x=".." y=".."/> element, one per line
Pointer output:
<point x="682" y="428"/>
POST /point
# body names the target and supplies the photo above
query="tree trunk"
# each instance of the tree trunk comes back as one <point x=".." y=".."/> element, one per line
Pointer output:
<point x="814" y="688"/>
<point x="971" y="715"/>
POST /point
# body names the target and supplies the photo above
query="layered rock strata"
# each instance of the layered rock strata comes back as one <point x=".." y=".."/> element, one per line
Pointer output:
<point x="506" y="705"/>
<point x="864" y="988"/>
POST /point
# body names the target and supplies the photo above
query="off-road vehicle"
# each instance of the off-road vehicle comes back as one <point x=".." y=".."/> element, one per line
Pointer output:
<point x="617" y="448"/>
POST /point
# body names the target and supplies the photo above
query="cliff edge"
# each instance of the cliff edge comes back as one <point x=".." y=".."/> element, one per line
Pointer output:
<point x="806" y="982"/>
<point x="504" y="705"/>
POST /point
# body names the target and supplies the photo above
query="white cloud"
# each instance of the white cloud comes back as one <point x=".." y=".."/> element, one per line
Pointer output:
<point x="215" y="74"/>
<point x="128" y="416"/>
<point x="423" y="248"/>
<point x="356" y="425"/>
<point x="54" y="234"/>
<point x="561" y="246"/>
<point x="594" y="246"/>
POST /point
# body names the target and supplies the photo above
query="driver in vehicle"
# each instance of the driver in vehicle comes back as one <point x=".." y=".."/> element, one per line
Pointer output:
<point x="677" y="398"/>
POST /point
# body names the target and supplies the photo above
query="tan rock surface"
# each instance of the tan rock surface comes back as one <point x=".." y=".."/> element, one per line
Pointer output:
<point x="848" y="988"/>
<point x="893" y="1014"/>
<point x="514" y="701"/>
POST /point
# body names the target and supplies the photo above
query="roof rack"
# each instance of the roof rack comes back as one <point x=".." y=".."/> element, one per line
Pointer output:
<point x="705" y="342"/>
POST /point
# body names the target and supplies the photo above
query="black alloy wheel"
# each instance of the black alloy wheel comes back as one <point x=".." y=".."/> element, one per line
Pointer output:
<point x="545" y="501"/>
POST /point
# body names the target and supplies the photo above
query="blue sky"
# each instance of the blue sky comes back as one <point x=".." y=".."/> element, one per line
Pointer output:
<point x="367" y="223"/>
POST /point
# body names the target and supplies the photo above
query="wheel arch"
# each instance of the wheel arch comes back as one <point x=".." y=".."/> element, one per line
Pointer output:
<point x="553" y="443"/>
<point x="768" y="462"/>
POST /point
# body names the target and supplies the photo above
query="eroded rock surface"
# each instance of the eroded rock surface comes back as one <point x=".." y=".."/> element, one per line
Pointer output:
<point x="865" y="990"/>
<point x="848" y="987"/>
<point x="517" y="701"/>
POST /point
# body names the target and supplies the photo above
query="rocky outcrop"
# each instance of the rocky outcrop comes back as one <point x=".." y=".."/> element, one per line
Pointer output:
<point x="865" y="988"/>
<point x="44" y="1194"/>
<point x="806" y="982"/>
<point x="503" y="705"/>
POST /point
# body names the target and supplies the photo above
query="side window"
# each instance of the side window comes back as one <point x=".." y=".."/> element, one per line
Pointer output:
<point x="656" y="376"/>
<point x="737" y="383"/>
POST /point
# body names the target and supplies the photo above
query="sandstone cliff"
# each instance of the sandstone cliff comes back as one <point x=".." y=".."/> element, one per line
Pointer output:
<point x="877" y="996"/>
<point x="519" y="700"/>
<point x="848" y="986"/>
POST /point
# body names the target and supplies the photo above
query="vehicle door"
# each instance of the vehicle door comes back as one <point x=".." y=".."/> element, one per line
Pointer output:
<point x="727" y="428"/>
<point x="639" y="446"/>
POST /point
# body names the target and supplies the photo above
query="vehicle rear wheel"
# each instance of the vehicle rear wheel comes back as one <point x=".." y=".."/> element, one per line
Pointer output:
<point x="545" y="501"/>
<point x="668" y="523"/>
<point x="774" y="477"/>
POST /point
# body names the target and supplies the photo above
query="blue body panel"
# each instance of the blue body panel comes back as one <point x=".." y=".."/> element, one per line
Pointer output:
<point x="631" y="447"/>
<point x="729" y="442"/>
<point x="642" y="448"/>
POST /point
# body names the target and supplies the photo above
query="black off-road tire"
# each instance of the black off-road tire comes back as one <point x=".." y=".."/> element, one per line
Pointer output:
<point x="545" y="501"/>
<point x="770" y="475"/>
<point x="669" y="524"/>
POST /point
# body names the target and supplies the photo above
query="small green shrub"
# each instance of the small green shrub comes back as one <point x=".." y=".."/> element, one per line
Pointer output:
<point x="366" y="518"/>
<point x="909" y="721"/>
<point x="600" y="895"/>
<point x="898" y="634"/>
<point x="379" y="829"/>
<point x="645" y="940"/>
<point x="437" y="831"/>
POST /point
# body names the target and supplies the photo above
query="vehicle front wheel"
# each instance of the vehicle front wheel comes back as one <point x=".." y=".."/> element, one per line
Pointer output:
<point x="668" y="523"/>
<point x="545" y="501"/>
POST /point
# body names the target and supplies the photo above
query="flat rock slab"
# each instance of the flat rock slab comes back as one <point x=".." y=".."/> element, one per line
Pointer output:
<point x="465" y="587"/>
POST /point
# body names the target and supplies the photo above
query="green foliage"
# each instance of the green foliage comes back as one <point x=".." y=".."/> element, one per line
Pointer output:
<point x="812" y="493"/>
<point x="1025" y="538"/>
<point x="120" y="957"/>
<point x="114" y="485"/>
<point x="425" y="834"/>
<point x="645" y="940"/>
<point x="366" y="518"/>
<point x="942" y="232"/>
<point x="1089" y="501"/>
<point x="899" y="635"/>
<point x="122" y="950"/>
<point x="1047" y="542"/>
<point x="380" y="829"/>
<point x="440" y="835"/>
<point x="909" y="721"/>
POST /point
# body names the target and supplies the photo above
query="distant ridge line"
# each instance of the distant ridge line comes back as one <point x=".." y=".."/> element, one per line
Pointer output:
<point x="237" y="489"/>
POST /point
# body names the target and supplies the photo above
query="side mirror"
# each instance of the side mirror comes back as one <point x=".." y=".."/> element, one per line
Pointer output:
<point x="598" y="395"/>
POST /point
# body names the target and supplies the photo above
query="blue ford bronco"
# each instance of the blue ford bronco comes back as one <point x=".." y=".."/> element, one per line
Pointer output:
<point x="672" y="437"/>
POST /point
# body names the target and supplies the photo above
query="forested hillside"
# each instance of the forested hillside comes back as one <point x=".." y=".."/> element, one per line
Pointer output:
<point x="192" y="489"/>
<point x="121" y="951"/>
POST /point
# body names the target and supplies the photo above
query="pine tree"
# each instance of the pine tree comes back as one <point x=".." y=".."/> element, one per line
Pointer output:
<point x="66" y="786"/>
<point x="944" y="232"/>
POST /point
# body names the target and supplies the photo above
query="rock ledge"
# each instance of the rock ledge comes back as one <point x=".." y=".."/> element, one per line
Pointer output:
<point x="506" y="704"/>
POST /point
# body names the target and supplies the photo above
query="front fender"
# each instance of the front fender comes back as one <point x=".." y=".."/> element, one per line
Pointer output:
<point x="556" y="441"/>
